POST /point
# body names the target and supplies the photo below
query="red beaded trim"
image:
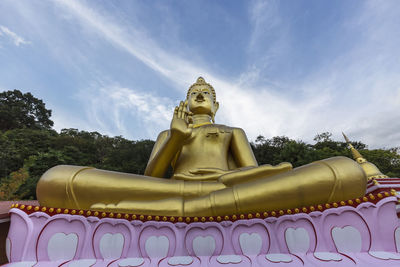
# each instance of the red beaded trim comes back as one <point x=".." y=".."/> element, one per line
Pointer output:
<point x="374" y="198"/>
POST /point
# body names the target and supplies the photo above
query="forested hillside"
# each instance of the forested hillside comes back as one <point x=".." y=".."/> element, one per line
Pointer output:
<point x="29" y="146"/>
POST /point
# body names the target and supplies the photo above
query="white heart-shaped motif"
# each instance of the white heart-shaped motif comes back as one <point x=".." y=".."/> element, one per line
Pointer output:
<point x="347" y="239"/>
<point x="397" y="237"/>
<point x="157" y="247"/>
<point x="62" y="246"/>
<point x="111" y="245"/>
<point x="8" y="249"/>
<point x="297" y="240"/>
<point x="82" y="263"/>
<point x="131" y="262"/>
<point x="278" y="257"/>
<point x="180" y="260"/>
<point x="250" y="243"/>
<point x="22" y="264"/>
<point x="225" y="259"/>
<point x="204" y="246"/>
<point x="328" y="256"/>
<point x="384" y="255"/>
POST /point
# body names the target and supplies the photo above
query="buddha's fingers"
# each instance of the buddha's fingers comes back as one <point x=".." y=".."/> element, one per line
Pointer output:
<point x="190" y="118"/>
<point x="216" y="171"/>
<point x="185" y="115"/>
<point x="202" y="177"/>
<point x="176" y="112"/>
<point x="261" y="172"/>
<point x="180" y="111"/>
<point x="185" y="111"/>
<point x="206" y="170"/>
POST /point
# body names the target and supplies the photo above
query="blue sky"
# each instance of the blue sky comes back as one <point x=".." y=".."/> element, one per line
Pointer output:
<point x="294" y="68"/>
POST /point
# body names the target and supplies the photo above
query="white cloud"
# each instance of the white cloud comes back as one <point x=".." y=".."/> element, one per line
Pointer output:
<point x="16" y="39"/>
<point x="65" y="120"/>
<point x="265" y="20"/>
<point x="366" y="78"/>
<point x="355" y="93"/>
<point x="254" y="110"/>
<point x="113" y="105"/>
<point x="133" y="41"/>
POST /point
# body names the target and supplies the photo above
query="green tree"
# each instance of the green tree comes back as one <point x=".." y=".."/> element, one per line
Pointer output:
<point x="128" y="156"/>
<point x="281" y="148"/>
<point x="17" y="145"/>
<point x="10" y="186"/>
<point x="18" y="110"/>
<point x="37" y="165"/>
<point x="387" y="160"/>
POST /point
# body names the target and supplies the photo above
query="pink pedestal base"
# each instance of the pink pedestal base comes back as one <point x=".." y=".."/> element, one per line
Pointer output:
<point x="366" y="235"/>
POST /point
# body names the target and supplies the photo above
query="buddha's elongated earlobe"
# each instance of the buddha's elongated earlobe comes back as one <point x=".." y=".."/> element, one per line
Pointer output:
<point x="216" y="106"/>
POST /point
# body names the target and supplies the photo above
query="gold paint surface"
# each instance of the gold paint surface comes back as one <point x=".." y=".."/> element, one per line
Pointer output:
<point x="215" y="174"/>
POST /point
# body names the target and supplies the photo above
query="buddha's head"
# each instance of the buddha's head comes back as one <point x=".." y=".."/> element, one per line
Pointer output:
<point x="201" y="98"/>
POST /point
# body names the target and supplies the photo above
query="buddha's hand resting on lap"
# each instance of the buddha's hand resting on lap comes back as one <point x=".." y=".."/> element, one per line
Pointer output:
<point x="204" y="174"/>
<point x="181" y="124"/>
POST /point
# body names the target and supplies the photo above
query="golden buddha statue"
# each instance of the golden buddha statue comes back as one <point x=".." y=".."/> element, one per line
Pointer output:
<point x="215" y="173"/>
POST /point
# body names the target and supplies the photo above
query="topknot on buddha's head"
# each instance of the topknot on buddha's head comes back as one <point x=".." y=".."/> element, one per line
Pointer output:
<point x="201" y="82"/>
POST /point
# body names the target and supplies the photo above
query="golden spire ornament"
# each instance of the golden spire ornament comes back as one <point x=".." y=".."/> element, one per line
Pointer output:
<point x="369" y="168"/>
<point x="356" y="155"/>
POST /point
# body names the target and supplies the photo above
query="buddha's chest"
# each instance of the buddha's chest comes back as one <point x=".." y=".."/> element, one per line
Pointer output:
<point x="211" y="134"/>
<point x="207" y="147"/>
<point x="209" y="140"/>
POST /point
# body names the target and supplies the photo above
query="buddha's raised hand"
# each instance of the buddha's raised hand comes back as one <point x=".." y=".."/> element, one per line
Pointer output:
<point x="181" y="124"/>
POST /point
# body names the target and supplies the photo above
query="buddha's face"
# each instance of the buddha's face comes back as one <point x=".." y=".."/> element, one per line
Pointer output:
<point x="201" y="100"/>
